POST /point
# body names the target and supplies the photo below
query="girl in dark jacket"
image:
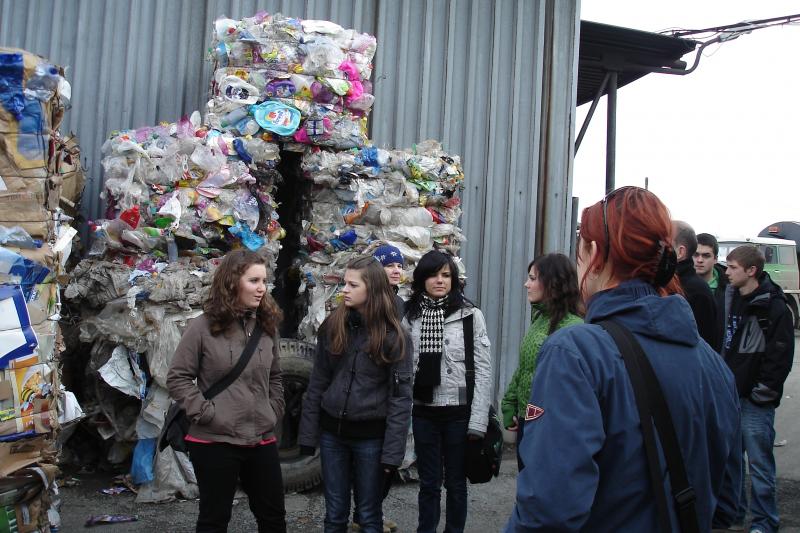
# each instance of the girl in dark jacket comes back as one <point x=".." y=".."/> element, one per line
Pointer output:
<point x="358" y="403"/>
<point x="231" y="436"/>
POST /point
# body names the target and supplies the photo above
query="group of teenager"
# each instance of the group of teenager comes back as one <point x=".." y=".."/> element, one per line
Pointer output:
<point x="384" y="367"/>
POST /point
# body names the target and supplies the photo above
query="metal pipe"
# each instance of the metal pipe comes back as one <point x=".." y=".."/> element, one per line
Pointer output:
<point x="611" y="131"/>
<point x="588" y="119"/>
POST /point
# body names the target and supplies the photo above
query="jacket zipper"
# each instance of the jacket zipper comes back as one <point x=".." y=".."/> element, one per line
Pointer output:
<point x="347" y="394"/>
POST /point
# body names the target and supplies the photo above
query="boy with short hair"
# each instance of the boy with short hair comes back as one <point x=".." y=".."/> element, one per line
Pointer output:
<point x="758" y="348"/>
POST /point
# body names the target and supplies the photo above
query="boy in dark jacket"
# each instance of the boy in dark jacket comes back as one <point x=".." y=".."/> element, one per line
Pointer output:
<point x="758" y="348"/>
<point x="706" y="266"/>
<point x="695" y="290"/>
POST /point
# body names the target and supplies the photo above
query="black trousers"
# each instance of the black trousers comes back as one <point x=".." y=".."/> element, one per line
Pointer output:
<point x="219" y="466"/>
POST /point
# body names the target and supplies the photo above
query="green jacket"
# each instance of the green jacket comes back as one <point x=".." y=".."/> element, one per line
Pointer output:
<point x="519" y="389"/>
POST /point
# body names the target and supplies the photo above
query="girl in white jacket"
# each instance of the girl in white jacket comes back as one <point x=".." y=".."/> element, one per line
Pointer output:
<point x="449" y="407"/>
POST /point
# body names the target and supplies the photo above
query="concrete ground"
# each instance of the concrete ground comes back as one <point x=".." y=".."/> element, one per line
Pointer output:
<point x="489" y="504"/>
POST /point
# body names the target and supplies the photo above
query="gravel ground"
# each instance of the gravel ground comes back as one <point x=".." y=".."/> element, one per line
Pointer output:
<point x="489" y="507"/>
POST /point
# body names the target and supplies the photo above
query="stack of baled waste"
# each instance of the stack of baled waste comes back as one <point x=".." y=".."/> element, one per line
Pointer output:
<point x="364" y="198"/>
<point x="303" y="81"/>
<point x="179" y="197"/>
<point x="40" y="173"/>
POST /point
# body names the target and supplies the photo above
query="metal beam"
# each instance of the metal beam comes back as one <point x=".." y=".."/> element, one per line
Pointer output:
<point x="611" y="132"/>
<point x="588" y="118"/>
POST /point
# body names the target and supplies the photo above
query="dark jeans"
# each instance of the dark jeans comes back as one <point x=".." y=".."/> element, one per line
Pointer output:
<point x="441" y="448"/>
<point x="348" y="463"/>
<point x="219" y="466"/>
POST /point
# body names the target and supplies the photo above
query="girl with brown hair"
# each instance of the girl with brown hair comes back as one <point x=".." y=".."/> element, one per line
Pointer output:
<point x="358" y="402"/>
<point x="552" y="289"/>
<point x="231" y="438"/>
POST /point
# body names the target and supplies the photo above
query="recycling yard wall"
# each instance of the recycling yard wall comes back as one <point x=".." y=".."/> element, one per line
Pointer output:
<point x="494" y="81"/>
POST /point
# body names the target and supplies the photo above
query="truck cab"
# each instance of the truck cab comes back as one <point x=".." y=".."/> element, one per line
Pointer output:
<point x="780" y="262"/>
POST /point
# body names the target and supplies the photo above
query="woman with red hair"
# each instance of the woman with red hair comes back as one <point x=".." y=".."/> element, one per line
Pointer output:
<point x="583" y="447"/>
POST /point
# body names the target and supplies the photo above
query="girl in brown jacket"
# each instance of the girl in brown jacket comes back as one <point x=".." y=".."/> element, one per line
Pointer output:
<point x="231" y="437"/>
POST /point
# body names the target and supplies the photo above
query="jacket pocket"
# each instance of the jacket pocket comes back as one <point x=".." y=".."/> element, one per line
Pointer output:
<point x="401" y="381"/>
<point x="221" y="423"/>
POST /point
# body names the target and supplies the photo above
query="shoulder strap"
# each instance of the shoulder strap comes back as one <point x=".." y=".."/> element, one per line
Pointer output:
<point x="236" y="371"/>
<point x="652" y="406"/>
<point x="469" y="352"/>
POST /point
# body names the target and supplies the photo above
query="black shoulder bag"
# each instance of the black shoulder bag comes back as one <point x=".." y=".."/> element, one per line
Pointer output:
<point x="483" y="457"/>
<point x="652" y="406"/>
<point x="176" y="423"/>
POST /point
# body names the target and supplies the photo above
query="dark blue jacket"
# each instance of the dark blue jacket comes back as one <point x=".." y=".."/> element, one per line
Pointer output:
<point x="585" y="465"/>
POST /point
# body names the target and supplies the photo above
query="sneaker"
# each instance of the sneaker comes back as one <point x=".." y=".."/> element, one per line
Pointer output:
<point x="734" y="527"/>
<point x="756" y="531"/>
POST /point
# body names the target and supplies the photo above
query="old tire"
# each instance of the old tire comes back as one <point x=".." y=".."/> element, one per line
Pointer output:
<point x="300" y="472"/>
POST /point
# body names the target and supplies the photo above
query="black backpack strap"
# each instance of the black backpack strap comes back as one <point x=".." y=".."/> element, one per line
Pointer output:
<point x="236" y="371"/>
<point x="652" y="406"/>
<point x="469" y="355"/>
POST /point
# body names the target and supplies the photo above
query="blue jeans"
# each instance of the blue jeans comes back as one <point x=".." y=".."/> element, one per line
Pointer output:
<point x="758" y="436"/>
<point x="441" y="446"/>
<point x="347" y="463"/>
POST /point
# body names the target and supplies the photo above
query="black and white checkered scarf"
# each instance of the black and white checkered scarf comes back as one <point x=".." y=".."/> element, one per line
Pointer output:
<point x="430" y="348"/>
<point x="432" y="325"/>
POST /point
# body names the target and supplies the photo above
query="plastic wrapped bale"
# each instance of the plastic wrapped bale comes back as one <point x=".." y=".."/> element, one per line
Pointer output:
<point x="305" y="81"/>
<point x="185" y="190"/>
<point x="361" y="199"/>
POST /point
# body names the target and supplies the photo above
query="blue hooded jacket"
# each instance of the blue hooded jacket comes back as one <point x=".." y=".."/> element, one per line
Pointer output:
<point x="585" y="464"/>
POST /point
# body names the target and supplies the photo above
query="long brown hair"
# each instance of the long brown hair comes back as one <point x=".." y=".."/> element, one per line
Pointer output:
<point x="222" y="305"/>
<point x="633" y="230"/>
<point x="379" y="316"/>
<point x="559" y="280"/>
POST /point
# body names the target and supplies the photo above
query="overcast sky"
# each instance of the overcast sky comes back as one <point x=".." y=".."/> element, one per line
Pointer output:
<point x="719" y="145"/>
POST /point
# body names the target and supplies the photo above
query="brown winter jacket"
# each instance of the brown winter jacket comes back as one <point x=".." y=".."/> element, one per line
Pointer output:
<point x="247" y="411"/>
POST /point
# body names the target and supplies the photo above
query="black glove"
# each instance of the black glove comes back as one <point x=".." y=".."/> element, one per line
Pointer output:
<point x="307" y="450"/>
<point x="388" y="477"/>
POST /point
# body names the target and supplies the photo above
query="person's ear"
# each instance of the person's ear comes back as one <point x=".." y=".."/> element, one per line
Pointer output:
<point x="751" y="272"/>
<point x="593" y="250"/>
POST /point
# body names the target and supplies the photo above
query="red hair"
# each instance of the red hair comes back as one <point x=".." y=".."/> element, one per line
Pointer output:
<point x="639" y="230"/>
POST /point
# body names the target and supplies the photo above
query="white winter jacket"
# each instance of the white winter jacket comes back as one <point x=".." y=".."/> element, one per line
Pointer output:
<point x="452" y="389"/>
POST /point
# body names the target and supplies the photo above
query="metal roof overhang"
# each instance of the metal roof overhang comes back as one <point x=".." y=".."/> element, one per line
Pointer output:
<point x="610" y="57"/>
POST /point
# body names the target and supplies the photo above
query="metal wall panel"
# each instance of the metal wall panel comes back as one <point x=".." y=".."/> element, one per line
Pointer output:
<point x="493" y="80"/>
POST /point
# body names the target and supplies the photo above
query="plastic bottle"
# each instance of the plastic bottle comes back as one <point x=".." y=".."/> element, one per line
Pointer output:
<point x="247" y="126"/>
<point x="229" y="120"/>
<point x="172" y="248"/>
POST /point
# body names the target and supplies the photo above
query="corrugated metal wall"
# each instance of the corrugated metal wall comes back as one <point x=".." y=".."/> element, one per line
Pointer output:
<point x="493" y="80"/>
